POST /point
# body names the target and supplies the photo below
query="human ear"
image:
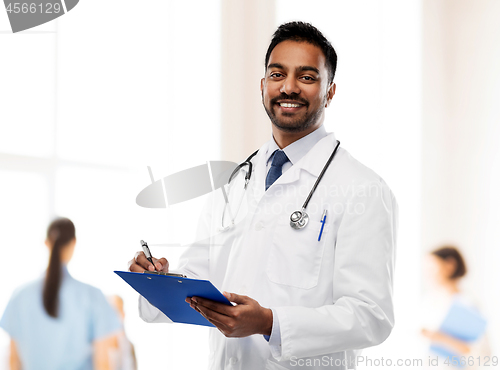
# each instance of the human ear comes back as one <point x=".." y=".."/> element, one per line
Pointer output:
<point x="450" y="267"/>
<point x="330" y="93"/>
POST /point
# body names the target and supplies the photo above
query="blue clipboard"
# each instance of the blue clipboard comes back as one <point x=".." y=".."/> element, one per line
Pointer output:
<point x="168" y="294"/>
<point x="462" y="322"/>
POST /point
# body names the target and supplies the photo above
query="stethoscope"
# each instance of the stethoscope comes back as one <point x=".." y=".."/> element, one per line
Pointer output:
<point x="298" y="219"/>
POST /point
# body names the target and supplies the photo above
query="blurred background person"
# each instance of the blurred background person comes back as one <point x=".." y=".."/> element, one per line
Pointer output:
<point x="447" y="302"/>
<point x="122" y="352"/>
<point x="57" y="322"/>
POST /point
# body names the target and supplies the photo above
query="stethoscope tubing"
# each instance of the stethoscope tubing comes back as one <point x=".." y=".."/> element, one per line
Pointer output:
<point x="301" y="222"/>
<point x="320" y="176"/>
<point x="248" y="162"/>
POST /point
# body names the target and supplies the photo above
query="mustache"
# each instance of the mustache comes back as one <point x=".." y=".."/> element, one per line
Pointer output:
<point x="284" y="96"/>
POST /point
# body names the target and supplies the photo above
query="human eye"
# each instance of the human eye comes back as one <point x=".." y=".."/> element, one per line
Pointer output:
<point x="275" y="75"/>
<point x="308" y="78"/>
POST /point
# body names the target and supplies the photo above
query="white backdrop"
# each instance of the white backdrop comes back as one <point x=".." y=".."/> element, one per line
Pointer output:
<point x="87" y="102"/>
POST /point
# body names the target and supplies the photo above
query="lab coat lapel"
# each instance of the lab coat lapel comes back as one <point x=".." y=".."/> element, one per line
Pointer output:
<point x="257" y="186"/>
<point x="312" y="162"/>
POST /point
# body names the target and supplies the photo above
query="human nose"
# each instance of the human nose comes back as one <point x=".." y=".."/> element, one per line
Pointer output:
<point x="290" y="86"/>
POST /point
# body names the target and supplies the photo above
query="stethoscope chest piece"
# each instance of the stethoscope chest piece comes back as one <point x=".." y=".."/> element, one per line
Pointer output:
<point x="299" y="219"/>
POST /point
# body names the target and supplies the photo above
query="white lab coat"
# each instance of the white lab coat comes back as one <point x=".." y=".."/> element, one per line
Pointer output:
<point x="331" y="297"/>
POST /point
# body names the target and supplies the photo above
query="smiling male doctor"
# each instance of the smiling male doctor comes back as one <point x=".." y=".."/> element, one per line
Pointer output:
<point x="301" y="301"/>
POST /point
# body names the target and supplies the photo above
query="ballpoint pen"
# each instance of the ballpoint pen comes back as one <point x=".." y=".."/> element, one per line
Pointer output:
<point x="323" y="220"/>
<point x="147" y="253"/>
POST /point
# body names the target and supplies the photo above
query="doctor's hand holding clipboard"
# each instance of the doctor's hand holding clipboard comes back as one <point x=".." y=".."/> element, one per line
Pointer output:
<point x="246" y="318"/>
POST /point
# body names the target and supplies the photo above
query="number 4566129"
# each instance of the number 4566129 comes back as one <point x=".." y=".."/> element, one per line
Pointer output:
<point x="471" y="361"/>
<point x="33" y="8"/>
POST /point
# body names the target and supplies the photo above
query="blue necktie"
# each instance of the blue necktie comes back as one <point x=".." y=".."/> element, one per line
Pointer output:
<point x="279" y="159"/>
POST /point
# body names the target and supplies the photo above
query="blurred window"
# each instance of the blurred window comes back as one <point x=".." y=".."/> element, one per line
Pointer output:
<point x="88" y="101"/>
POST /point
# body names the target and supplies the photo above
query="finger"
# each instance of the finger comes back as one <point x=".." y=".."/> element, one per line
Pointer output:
<point x="161" y="264"/>
<point x="157" y="264"/>
<point x="133" y="266"/>
<point x="142" y="262"/>
<point x="218" y="325"/>
<point x="221" y="308"/>
<point x="236" y="298"/>
<point x="136" y="268"/>
<point x="130" y="263"/>
<point x="223" y="322"/>
<point x="165" y="264"/>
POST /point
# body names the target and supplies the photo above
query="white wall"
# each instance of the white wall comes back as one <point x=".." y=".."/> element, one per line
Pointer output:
<point x="460" y="128"/>
<point x="88" y="101"/>
<point x="247" y="28"/>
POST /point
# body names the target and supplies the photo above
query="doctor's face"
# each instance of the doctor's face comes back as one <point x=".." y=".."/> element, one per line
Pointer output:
<point x="295" y="90"/>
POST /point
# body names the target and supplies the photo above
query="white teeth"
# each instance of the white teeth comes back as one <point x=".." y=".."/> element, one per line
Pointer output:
<point x="289" y="105"/>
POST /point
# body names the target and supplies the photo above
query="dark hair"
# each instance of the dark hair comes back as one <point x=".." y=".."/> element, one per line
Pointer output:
<point x="447" y="253"/>
<point x="60" y="232"/>
<point x="301" y="31"/>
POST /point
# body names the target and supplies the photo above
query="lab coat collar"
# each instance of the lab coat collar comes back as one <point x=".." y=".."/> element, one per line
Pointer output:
<point x="298" y="149"/>
<point x="312" y="162"/>
<point x="257" y="187"/>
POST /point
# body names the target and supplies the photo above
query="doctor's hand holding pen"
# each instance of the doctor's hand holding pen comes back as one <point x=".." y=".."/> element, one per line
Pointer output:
<point x="140" y="263"/>
<point x="246" y="318"/>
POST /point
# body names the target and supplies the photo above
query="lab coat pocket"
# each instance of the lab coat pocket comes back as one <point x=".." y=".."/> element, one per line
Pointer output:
<point x="295" y="256"/>
<point x="271" y="365"/>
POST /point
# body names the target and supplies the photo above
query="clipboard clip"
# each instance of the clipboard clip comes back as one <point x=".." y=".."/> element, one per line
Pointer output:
<point x="163" y="273"/>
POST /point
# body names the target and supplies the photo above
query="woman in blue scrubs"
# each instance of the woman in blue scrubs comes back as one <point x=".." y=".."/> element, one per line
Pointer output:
<point x="57" y="322"/>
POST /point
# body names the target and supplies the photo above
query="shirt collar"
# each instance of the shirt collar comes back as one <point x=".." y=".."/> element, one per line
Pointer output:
<point x="296" y="150"/>
<point x="65" y="271"/>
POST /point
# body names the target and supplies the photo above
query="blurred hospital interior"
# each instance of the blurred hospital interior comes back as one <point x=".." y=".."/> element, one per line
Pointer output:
<point x="91" y="99"/>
